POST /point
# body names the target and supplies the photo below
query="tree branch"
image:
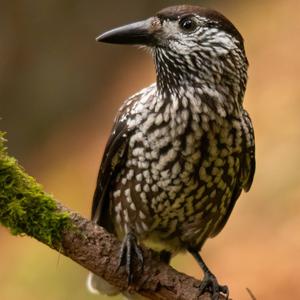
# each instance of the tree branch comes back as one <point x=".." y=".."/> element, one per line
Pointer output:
<point x="26" y="209"/>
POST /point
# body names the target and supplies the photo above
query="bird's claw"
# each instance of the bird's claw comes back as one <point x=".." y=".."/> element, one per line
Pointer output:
<point x="211" y="285"/>
<point x="131" y="252"/>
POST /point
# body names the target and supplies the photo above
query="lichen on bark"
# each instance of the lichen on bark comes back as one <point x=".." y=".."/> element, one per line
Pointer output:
<point x="24" y="207"/>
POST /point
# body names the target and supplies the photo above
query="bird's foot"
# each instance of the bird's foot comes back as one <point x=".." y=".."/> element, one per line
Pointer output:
<point x="210" y="284"/>
<point x="131" y="255"/>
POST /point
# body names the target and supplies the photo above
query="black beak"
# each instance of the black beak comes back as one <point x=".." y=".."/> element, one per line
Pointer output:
<point x="139" y="33"/>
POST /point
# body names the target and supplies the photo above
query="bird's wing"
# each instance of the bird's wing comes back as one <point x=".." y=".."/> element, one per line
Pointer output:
<point x="247" y="163"/>
<point x="114" y="157"/>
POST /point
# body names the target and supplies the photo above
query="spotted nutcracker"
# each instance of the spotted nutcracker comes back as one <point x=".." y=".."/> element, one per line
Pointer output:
<point x="181" y="150"/>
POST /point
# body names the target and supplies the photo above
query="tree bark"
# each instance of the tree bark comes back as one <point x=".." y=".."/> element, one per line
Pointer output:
<point x="97" y="250"/>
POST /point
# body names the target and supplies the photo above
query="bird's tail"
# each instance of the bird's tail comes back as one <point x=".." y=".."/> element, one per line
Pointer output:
<point x="97" y="286"/>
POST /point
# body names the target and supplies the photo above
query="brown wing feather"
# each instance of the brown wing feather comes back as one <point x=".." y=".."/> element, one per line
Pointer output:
<point x="249" y="162"/>
<point x="114" y="158"/>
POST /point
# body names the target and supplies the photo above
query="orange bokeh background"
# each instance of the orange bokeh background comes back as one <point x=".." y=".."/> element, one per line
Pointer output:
<point x="59" y="93"/>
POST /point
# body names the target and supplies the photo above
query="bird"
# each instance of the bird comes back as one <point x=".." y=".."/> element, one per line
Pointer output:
<point x="182" y="150"/>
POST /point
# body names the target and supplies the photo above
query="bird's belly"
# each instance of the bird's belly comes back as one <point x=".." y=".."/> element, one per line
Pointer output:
<point x="178" y="193"/>
<point x="191" y="207"/>
<point x="168" y="211"/>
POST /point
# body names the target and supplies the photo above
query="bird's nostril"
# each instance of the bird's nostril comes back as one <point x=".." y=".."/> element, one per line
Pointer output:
<point x="155" y="24"/>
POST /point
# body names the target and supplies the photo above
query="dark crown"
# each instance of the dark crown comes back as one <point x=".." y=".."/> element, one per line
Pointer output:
<point x="213" y="17"/>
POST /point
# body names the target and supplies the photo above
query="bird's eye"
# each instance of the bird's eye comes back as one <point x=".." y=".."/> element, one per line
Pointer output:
<point x="187" y="24"/>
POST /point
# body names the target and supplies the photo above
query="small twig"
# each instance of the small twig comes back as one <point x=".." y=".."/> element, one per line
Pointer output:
<point x="250" y="294"/>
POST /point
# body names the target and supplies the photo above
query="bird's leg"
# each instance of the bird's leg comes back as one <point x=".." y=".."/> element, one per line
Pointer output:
<point x="209" y="282"/>
<point x="131" y="252"/>
<point x="165" y="256"/>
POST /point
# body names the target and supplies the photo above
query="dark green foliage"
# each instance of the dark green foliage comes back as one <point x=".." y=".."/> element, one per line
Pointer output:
<point x="24" y="207"/>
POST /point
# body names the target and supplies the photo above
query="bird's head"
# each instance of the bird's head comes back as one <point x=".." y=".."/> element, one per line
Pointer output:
<point x="192" y="46"/>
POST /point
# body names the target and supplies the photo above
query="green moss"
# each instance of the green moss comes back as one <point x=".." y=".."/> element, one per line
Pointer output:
<point x="24" y="207"/>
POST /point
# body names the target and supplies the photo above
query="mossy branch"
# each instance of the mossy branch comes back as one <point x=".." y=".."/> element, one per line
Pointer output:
<point x="26" y="209"/>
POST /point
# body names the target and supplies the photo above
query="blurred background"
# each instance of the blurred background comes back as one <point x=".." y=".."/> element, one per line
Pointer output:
<point x="59" y="92"/>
